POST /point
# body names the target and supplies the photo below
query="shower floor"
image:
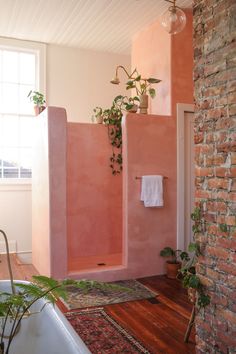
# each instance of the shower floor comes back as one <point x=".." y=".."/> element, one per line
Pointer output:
<point x="94" y="262"/>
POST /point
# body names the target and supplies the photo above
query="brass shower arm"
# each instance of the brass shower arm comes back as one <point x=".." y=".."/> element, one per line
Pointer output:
<point x="130" y="76"/>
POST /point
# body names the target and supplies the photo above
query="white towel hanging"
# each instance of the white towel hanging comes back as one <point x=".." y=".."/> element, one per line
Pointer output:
<point x="152" y="191"/>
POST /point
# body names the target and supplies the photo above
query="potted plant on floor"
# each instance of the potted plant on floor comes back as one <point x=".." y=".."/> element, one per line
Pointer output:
<point x="143" y="89"/>
<point x="39" y="101"/>
<point x="173" y="264"/>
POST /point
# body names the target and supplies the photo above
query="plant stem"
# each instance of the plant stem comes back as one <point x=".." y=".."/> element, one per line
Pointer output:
<point x="13" y="332"/>
<point x="190" y="325"/>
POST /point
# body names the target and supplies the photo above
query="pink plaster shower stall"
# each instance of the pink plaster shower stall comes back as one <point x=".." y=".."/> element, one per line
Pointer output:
<point x="88" y="223"/>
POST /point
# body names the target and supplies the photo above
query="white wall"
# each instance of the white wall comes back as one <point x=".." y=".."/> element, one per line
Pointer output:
<point x="79" y="80"/>
<point x="15" y="217"/>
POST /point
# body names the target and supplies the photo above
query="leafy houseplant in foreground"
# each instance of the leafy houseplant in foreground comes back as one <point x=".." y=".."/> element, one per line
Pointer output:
<point x="14" y="308"/>
<point x="173" y="264"/>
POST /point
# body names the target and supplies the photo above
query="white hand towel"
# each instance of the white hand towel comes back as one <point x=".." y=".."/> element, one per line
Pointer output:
<point x="152" y="191"/>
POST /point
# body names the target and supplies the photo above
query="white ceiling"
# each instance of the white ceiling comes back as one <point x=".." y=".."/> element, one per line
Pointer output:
<point x="106" y="25"/>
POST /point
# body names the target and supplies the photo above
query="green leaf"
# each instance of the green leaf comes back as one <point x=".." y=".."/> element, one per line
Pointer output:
<point x="151" y="80"/>
<point x="203" y="300"/>
<point x="194" y="282"/>
<point x="167" y="252"/>
<point x="138" y="78"/>
<point x="152" y="92"/>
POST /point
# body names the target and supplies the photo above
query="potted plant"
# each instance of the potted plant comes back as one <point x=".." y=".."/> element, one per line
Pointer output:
<point x="98" y="115"/>
<point x="125" y="103"/>
<point x="143" y="89"/>
<point x="38" y="99"/>
<point x="173" y="264"/>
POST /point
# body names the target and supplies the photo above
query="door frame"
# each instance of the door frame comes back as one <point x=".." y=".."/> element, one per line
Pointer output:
<point x="182" y="108"/>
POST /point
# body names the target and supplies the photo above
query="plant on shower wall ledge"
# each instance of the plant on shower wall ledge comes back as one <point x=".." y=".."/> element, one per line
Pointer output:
<point x="112" y="119"/>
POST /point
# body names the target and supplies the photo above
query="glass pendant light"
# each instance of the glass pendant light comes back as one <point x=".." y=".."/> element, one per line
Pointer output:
<point x="174" y="19"/>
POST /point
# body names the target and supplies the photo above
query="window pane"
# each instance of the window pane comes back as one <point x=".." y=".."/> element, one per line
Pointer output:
<point x="10" y="157"/>
<point x="25" y="158"/>
<point x="25" y="106"/>
<point x="26" y="131"/>
<point x="10" y="129"/>
<point x="10" y="98"/>
<point x="10" y="66"/>
<point x="27" y="68"/>
<point x="25" y="173"/>
<point x="10" y="173"/>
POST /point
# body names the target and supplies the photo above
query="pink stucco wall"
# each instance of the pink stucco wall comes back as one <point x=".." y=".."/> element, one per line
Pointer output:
<point x="49" y="254"/>
<point x="148" y="149"/>
<point x="151" y="55"/>
<point x="170" y="58"/>
<point x="94" y="195"/>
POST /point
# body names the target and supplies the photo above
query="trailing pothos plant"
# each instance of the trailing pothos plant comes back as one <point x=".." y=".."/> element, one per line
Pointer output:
<point x="190" y="279"/>
<point x="17" y="306"/>
<point x="112" y="118"/>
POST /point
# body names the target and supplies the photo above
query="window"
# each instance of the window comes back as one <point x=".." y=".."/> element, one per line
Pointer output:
<point x="19" y="73"/>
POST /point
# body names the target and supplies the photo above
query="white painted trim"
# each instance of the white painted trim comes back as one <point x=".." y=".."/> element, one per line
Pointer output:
<point x="181" y="109"/>
<point x="35" y="47"/>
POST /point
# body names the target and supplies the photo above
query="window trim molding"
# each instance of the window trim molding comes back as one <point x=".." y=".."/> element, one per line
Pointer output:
<point x="30" y="46"/>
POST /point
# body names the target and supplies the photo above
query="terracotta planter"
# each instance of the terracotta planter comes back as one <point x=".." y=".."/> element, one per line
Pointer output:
<point x="143" y="105"/>
<point x="172" y="269"/>
<point x="38" y="109"/>
<point x="99" y="119"/>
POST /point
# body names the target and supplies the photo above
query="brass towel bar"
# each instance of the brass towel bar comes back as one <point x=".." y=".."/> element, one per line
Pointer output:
<point x="137" y="177"/>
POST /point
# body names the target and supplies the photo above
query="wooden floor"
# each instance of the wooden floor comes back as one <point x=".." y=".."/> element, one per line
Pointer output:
<point x="159" y="326"/>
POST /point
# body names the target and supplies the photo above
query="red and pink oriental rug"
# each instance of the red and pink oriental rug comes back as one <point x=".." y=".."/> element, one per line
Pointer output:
<point x="102" y="334"/>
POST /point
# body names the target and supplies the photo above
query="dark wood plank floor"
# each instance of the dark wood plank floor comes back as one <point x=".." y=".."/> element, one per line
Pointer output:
<point x="159" y="326"/>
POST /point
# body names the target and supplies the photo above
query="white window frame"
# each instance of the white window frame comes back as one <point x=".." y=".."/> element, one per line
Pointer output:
<point x="40" y="50"/>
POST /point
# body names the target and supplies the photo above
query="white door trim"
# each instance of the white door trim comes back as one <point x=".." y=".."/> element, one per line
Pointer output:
<point x="181" y="109"/>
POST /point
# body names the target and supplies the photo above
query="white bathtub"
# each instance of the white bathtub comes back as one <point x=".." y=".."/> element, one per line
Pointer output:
<point x="46" y="333"/>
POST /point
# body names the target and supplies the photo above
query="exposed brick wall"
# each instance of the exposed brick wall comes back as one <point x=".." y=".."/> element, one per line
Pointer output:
<point x="215" y="144"/>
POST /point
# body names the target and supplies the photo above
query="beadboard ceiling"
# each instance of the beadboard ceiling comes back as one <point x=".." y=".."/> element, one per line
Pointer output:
<point x="106" y="25"/>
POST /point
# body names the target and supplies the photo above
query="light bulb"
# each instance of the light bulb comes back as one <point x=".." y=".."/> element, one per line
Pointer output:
<point x="173" y="20"/>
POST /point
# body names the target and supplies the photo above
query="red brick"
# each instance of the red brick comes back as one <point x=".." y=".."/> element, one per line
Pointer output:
<point x="218" y="183"/>
<point x="233" y="158"/>
<point x="230" y="220"/>
<point x="227" y="315"/>
<point x="203" y="171"/>
<point x="217" y="252"/>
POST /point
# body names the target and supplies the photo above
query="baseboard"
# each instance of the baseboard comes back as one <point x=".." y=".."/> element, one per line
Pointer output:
<point x="11" y="244"/>
<point x="24" y="257"/>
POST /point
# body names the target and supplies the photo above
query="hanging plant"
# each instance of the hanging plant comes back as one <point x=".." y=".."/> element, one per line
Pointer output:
<point x="112" y="119"/>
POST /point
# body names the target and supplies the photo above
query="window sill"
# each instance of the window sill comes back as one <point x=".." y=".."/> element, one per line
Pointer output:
<point x="16" y="184"/>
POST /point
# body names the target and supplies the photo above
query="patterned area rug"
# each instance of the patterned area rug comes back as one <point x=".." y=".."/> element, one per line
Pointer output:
<point x="102" y="334"/>
<point x="78" y="299"/>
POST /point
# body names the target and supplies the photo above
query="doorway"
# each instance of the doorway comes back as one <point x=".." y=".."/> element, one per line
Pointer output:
<point x="185" y="174"/>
